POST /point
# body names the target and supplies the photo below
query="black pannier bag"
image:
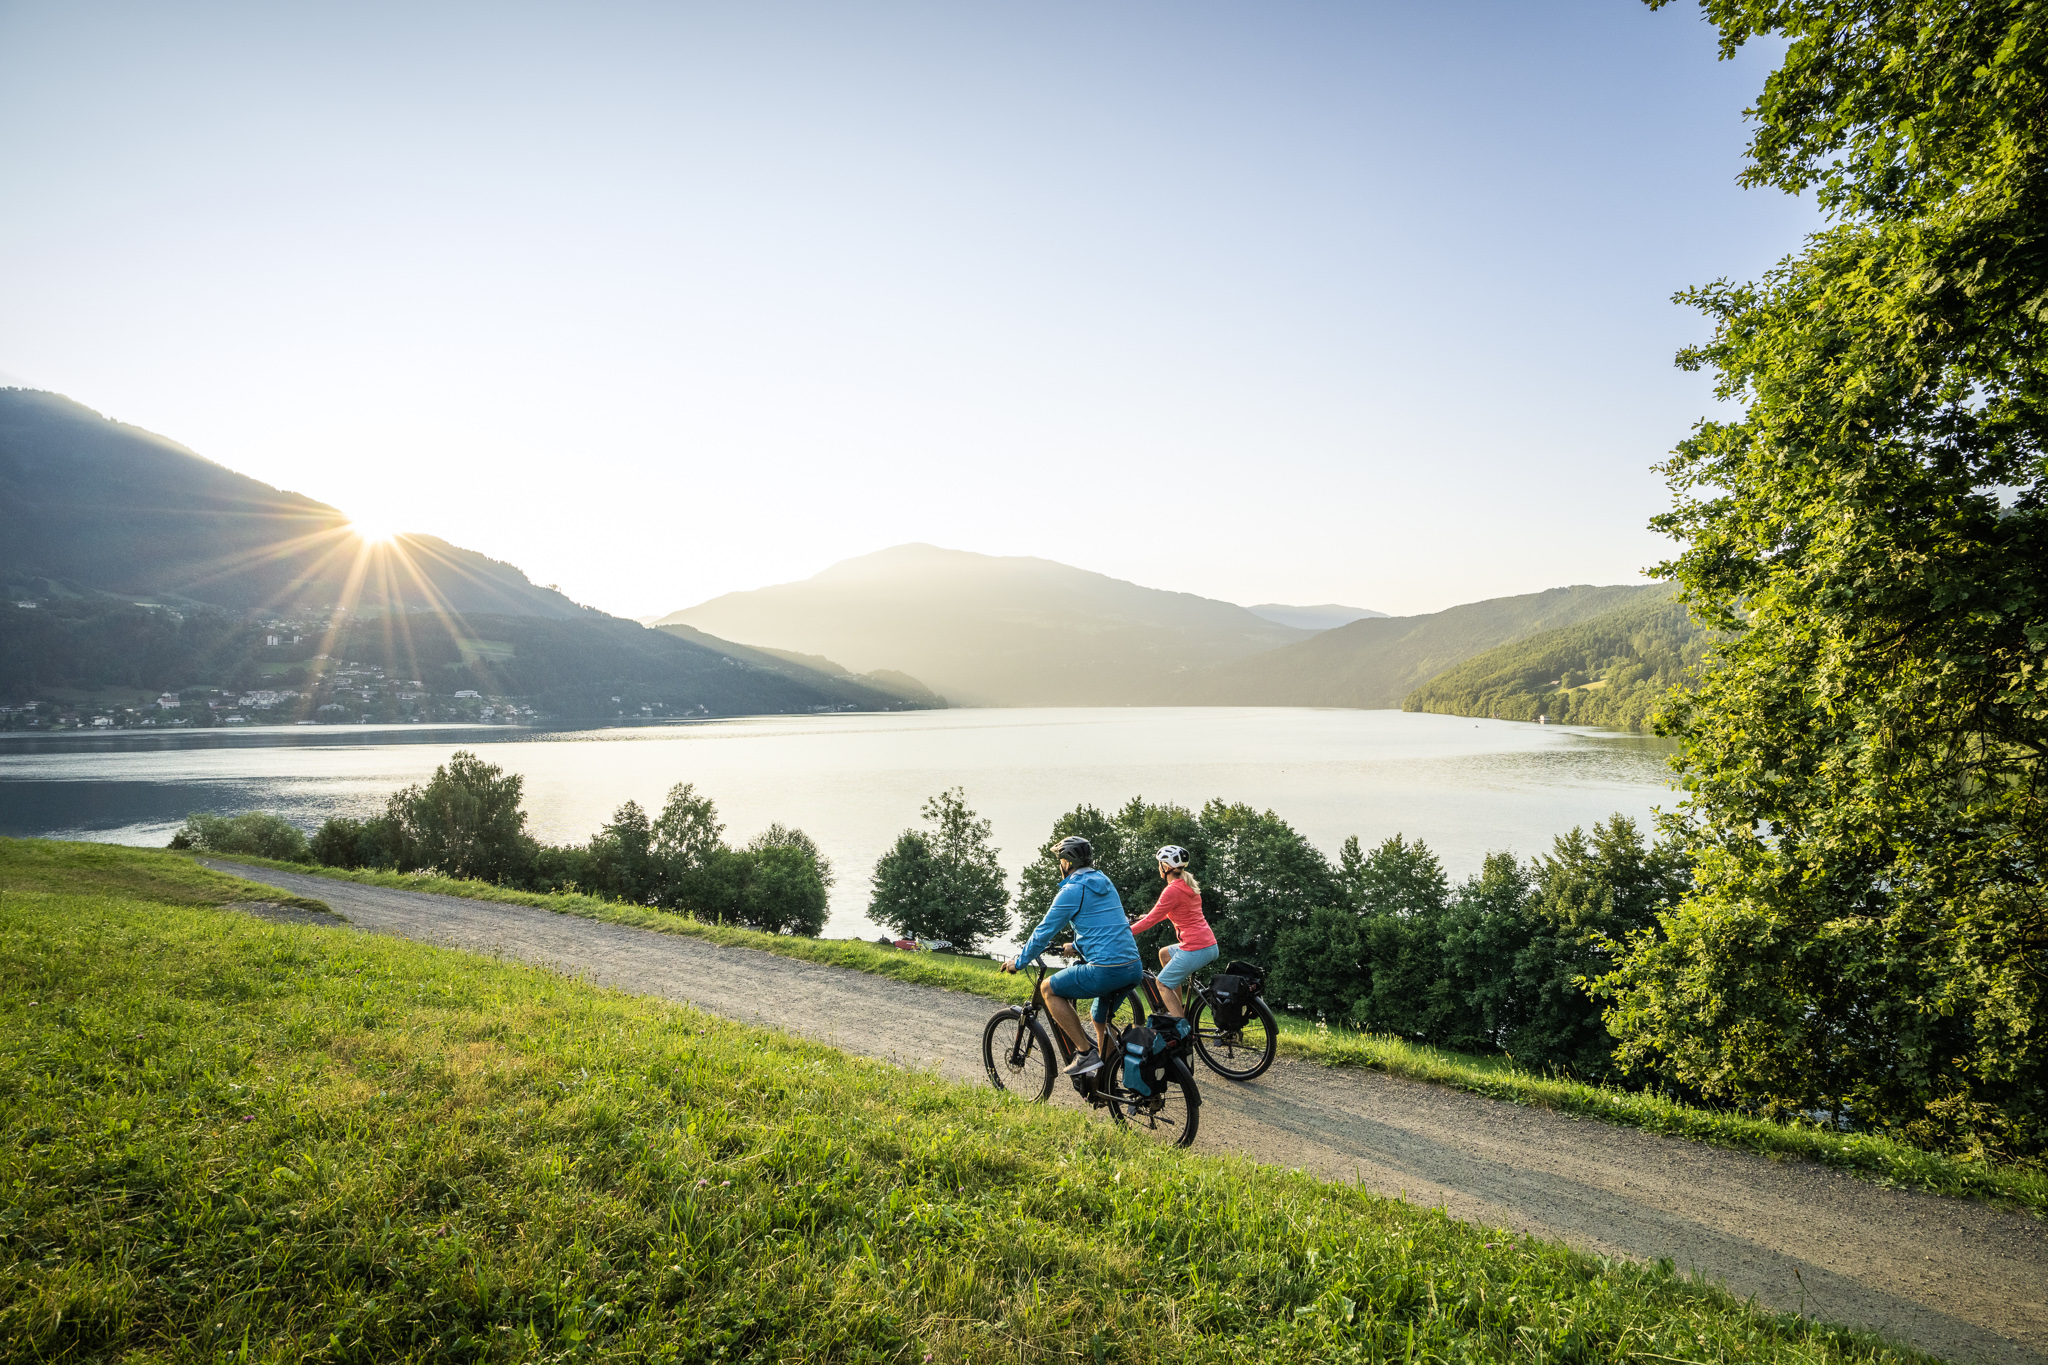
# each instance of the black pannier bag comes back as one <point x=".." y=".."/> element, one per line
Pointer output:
<point x="1228" y="992"/>
<point x="1233" y="990"/>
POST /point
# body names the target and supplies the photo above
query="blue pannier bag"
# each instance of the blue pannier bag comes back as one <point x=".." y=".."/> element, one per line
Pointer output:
<point x="1146" y="1051"/>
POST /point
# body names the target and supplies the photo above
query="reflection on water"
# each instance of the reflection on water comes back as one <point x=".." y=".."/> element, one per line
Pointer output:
<point x="1466" y="787"/>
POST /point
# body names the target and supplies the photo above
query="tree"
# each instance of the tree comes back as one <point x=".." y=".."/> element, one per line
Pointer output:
<point x="1864" y="759"/>
<point x="784" y="893"/>
<point x="1488" y="927"/>
<point x="466" y="822"/>
<point x="945" y="884"/>
<point x="1403" y="897"/>
<point x="1266" y="878"/>
<point x="781" y="836"/>
<point x="683" y="840"/>
<point x="774" y="889"/>
<point x="621" y="865"/>
<point x="1590" y="895"/>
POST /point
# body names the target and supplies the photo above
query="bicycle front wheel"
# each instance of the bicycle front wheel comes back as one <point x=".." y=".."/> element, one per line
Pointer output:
<point x="1017" y="1054"/>
<point x="1168" y="1118"/>
<point x="1239" y="1054"/>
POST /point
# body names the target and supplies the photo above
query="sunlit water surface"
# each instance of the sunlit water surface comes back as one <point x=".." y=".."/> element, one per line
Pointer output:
<point x="854" y="781"/>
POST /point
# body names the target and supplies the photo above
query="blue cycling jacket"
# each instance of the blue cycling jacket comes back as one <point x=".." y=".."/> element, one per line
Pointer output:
<point x="1088" y="900"/>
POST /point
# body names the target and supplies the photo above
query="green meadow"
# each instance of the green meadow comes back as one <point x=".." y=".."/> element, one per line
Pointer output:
<point x="230" y="1139"/>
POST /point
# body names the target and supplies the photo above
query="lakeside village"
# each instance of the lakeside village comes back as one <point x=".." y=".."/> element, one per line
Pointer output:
<point x="294" y="687"/>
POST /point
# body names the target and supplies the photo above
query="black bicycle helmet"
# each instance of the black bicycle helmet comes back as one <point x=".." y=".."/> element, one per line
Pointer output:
<point x="1077" y="851"/>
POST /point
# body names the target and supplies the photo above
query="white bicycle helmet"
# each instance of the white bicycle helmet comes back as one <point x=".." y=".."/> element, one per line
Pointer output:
<point x="1173" y="855"/>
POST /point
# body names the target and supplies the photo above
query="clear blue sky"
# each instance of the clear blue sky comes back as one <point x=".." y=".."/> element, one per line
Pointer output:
<point x="1301" y="302"/>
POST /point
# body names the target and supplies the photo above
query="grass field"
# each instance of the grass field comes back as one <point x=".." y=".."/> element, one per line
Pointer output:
<point x="1876" y="1158"/>
<point x="235" y="1140"/>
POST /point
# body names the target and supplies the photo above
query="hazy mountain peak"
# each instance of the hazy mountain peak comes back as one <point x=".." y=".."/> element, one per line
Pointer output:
<point x="1326" y="616"/>
<point x="993" y="629"/>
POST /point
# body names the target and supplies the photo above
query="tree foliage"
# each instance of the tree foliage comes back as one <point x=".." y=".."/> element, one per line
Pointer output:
<point x="1864" y="762"/>
<point x="465" y="821"/>
<point x="943" y="882"/>
<point x="259" y="833"/>
<point x="1505" y="961"/>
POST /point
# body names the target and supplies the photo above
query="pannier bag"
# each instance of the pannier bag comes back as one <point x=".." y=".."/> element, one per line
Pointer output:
<point x="1229" y="993"/>
<point x="1145" y="1054"/>
<point x="1233" y="990"/>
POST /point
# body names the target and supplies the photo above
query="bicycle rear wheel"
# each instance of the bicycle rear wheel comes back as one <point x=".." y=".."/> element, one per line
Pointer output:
<point x="1169" y="1118"/>
<point x="1017" y="1054"/>
<point x="1239" y="1054"/>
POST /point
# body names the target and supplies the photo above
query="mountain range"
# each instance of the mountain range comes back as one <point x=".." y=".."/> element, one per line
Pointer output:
<point x="149" y="565"/>
<point x="1004" y="631"/>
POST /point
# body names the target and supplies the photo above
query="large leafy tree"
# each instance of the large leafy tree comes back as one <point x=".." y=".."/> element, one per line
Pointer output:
<point x="466" y="821"/>
<point x="1864" y="764"/>
<point x="943" y="882"/>
<point x="1266" y="877"/>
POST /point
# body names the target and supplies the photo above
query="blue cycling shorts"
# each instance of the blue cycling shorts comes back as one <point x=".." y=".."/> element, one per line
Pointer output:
<point x="1105" y="982"/>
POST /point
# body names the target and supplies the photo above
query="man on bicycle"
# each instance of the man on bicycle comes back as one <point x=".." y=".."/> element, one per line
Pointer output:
<point x="1088" y="901"/>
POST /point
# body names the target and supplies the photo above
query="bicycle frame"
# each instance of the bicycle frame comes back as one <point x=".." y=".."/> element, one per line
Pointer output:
<point x="1091" y="1087"/>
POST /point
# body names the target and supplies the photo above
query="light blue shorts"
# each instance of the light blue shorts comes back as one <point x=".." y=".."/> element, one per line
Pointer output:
<point x="1184" y="963"/>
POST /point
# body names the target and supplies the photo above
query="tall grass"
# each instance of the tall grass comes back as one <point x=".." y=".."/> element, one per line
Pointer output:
<point x="233" y="1140"/>
<point x="1881" y="1159"/>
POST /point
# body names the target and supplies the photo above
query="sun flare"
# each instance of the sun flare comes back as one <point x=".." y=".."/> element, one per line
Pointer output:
<point x="372" y="531"/>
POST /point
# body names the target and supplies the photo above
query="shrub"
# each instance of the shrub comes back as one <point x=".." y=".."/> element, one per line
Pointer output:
<point x="258" y="833"/>
<point x="350" y="843"/>
<point x="774" y="889"/>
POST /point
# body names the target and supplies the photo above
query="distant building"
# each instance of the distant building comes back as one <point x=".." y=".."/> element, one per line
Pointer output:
<point x="471" y="693"/>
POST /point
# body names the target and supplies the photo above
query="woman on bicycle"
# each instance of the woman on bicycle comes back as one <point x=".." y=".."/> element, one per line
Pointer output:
<point x="1180" y="902"/>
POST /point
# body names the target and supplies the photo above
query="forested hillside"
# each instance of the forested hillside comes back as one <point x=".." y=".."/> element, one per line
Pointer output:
<point x="1379" y="661"/>
<point x="1612" y="670"/>
<point x="89" y="505"/>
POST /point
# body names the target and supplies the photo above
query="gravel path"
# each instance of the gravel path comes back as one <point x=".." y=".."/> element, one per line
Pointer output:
<point x="1949" y="1276"/>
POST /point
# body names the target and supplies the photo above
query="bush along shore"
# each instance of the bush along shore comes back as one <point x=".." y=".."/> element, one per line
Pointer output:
<point x="280" y="1143"/>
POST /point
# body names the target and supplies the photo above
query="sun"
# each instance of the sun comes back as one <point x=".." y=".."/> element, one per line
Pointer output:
<point x="372" y="531"/>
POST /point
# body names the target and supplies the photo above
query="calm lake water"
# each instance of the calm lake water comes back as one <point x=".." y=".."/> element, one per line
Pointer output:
<point x="1466" y="787"/>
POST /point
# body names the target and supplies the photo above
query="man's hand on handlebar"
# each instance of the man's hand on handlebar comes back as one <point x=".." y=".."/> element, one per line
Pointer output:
<point x="1009" y="966"/>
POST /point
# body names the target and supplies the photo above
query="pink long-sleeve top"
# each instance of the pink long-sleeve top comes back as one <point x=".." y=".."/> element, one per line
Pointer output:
<point x="1182" y="904"/>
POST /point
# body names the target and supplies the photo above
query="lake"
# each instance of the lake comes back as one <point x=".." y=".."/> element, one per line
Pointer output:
<point x="1466" y="787"/>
